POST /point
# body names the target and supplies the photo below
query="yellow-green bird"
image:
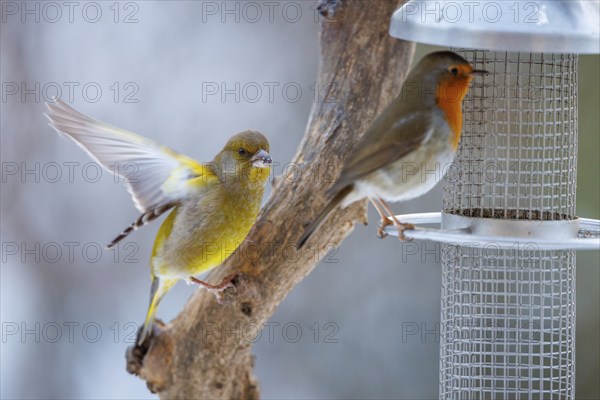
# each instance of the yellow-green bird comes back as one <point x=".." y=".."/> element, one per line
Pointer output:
<point x="213" y="205"/>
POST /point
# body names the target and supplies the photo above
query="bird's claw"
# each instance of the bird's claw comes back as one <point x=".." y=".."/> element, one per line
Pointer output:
<point x="401" y="228"/>
<point x="217" y="290"/>
<point x="381" y="233"/>
<point x="228" y="281"/>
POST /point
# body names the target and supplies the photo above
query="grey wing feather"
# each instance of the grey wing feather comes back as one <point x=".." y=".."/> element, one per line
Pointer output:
<point x="380" y="147"/>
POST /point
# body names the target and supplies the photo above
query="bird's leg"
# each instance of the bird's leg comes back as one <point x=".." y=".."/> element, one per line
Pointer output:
<point x="385" y="221"/>
<point x="227" y="282"/>
<point x="401" y="227"/>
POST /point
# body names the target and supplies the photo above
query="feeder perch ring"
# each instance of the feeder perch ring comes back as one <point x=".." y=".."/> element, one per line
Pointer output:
<point x="576" y="234"/>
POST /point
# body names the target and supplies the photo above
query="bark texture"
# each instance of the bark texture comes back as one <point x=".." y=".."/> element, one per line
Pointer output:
<point x="206" y="351"/>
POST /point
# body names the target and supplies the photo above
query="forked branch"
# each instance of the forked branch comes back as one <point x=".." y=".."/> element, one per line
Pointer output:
<point x="363" y="67"/>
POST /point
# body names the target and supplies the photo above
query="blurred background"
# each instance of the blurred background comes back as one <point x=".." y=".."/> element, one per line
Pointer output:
<point x="190" y="74"/>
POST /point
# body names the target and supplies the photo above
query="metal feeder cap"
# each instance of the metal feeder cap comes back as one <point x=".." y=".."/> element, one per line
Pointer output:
<point x="528" y="26"/>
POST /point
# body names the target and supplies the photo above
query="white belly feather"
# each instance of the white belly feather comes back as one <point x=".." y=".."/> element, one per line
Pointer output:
<point x="409" y="177"/>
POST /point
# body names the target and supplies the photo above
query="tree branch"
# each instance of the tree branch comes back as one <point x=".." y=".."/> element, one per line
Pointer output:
<point x="194" y="357"/>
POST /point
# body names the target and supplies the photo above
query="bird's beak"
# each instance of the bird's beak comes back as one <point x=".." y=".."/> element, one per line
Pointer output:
<point x="479" y="72"/>
<point x="261" y="159"/>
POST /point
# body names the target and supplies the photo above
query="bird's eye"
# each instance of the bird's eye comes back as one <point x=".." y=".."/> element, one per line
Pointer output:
<point x="454" y="71"/>
<point x="242" y="152"/>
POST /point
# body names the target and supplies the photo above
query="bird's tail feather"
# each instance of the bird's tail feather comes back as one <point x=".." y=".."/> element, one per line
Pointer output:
<point x="159" y="288"/>
<point x="310" y="229"/>
<point x="147" y="217"/>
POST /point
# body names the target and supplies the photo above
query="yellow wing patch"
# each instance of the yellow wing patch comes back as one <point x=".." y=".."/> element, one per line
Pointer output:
<point x="164" y="231"/>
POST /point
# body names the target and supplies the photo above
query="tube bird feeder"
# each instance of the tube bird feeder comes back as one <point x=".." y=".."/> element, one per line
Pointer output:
<point x="508" y="226"/>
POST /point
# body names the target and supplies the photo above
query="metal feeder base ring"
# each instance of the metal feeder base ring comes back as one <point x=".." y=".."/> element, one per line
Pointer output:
<point x="576" y="234"/>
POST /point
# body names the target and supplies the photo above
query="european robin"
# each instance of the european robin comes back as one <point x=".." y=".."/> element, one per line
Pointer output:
<point x="212" y="205"/>
<point x="417" y="133"/>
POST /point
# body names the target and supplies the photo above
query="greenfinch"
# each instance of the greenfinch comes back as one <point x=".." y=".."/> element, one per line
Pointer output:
<point x="212" y="205"/>
<point x="415" y="136"/>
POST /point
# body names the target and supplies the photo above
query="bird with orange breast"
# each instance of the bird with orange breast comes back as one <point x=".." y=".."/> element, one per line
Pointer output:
<point x="418" y="132"/>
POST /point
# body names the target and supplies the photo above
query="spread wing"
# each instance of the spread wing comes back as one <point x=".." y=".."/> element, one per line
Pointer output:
<point x="155" y="175"/>
<point x="384" y="143"/>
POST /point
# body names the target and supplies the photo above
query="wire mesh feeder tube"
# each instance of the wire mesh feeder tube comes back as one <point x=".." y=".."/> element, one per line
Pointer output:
<point x="508" y="315"/>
